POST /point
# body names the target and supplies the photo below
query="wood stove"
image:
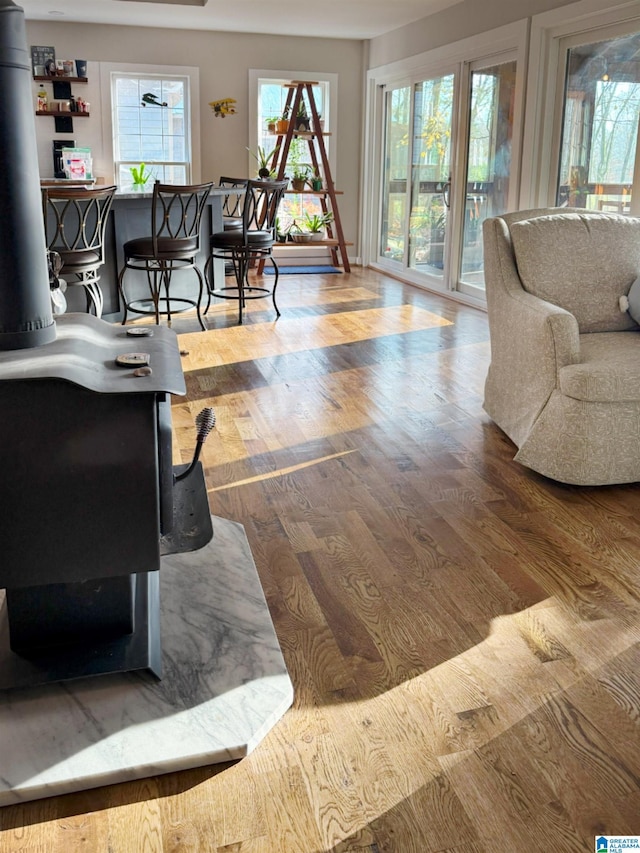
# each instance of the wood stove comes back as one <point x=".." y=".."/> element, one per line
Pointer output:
<point x="90" y="502"/>
<point x="89" y="498"/>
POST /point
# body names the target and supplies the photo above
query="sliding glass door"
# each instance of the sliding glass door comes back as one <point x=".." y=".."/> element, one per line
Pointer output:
<point x="417" y="174"/>
<point x="447" y="166"/>
<point x="489" y="141"/>
<point x="430" y="174"/>
<point x="395" y="183"/>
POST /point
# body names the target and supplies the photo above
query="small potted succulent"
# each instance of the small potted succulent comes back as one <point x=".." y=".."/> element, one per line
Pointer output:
<point x="282" y="125"/>
<point x="299" y="176"/>
<point x="303" y="122"/>
<point x="264" y="159"/>
<point x="282" y="233"/>
<point x="315" y="225"/>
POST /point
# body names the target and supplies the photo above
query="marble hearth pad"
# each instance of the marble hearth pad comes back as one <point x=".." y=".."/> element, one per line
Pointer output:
<point x="225" y="685"/>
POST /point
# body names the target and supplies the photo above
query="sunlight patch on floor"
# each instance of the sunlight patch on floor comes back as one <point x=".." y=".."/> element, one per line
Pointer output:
<point x="439" y="721"/>
<point x="282" y="472"/>
<point x="319" y="407"/>
<point x="287" y="336"/>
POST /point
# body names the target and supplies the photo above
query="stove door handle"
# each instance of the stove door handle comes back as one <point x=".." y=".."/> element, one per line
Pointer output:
<point x="205" y="422"/>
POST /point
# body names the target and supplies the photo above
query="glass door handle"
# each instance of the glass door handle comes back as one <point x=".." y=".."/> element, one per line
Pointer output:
<point x="446" y="192"/>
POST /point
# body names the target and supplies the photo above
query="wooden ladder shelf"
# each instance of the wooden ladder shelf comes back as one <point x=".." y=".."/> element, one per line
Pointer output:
<point x="301" y="94"/>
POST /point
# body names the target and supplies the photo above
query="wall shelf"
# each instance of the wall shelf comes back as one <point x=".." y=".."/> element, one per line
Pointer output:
<point x="61" y="113"/>
<point x="62" y="92"/>
<point x="313" y="192"/>
<point x="46" y="78"/>
<point x="305" y="244"/>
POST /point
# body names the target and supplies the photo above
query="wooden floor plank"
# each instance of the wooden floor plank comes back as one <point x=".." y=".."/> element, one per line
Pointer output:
<point x="462" y="634"/>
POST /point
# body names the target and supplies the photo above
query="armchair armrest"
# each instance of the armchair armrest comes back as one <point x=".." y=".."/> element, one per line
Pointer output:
<point x="530" y="340"/>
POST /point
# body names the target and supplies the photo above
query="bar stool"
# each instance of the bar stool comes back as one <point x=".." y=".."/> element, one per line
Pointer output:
<point x="232" y="204"/>
<point x="243" y="246"/>
<point x="75" y="219"/>
<point x="173" y="245"/>
<point x="232" y="209"/>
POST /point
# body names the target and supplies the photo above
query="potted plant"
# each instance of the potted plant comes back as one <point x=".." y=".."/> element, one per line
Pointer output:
<point x="303" y="122"/>
<point x="315" y="225"/>
<point x="282" y="234"/>
<point x="316" y="181"/>
<point x="299" y="176"/>
<point x="271" y="124"/>
<point x="264" y="159"/>
<point x="139" y="176"/>
<point x="438" y="224"/>
<point x="282" y="125"/>
<point x="297" y="235"/>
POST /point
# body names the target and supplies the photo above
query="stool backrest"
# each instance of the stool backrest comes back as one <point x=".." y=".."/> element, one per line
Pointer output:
<point x="75" y="219"/>
<point x="261" y="202"/>
<point x="176" y="214"/>
<point x="232" y="204"/>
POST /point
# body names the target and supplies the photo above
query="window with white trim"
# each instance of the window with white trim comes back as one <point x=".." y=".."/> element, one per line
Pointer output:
<point x="151" y="125"/>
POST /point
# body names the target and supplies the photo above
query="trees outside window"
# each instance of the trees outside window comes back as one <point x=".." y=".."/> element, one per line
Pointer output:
<point x="600" y="126"/>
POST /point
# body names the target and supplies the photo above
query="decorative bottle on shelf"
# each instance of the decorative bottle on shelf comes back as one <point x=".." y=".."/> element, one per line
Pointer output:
<point x="42" y="100"/>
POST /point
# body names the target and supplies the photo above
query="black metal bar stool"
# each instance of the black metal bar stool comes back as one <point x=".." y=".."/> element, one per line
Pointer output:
<point x="232" y="203"/>
<point x="75" y="219"/>
<point x="173" y="245"/>
<point x="243" y="246"/>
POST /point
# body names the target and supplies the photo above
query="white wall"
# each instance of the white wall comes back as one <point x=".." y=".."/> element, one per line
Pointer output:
<point x="461" y="21"/>
<point x="224" y="60"/>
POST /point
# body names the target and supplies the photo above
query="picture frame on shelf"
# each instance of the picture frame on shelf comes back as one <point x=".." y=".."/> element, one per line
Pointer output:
<point x="43" y="60"/>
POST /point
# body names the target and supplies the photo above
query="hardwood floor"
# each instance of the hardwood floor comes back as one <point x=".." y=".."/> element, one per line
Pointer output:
<point x="461" y="633"/>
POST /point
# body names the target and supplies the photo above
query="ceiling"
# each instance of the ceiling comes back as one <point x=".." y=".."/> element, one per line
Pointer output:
<point x="352" y="19"/>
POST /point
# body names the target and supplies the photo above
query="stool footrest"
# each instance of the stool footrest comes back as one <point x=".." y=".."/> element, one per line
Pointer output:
<point x="247" y="292"/>
<point x="137" y="305"/>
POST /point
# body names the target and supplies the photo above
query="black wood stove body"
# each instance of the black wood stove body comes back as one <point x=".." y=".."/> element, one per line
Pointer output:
<point x="89" y="497"/>
<point x="89" y="502"/>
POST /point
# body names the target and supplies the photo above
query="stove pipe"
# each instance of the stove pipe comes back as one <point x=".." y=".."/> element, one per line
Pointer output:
<point x="26" y="318"/>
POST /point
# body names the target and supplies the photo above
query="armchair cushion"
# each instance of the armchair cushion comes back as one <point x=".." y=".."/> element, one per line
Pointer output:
<point x="609" y="369"/>
<point x="583" y="263"/>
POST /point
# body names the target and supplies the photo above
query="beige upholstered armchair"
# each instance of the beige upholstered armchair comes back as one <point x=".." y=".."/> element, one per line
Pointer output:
<point x="564" y="379"/>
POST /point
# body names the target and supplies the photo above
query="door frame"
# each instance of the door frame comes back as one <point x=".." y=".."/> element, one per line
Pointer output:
<point x="511" y="38"/>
